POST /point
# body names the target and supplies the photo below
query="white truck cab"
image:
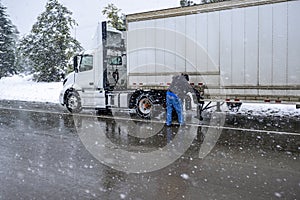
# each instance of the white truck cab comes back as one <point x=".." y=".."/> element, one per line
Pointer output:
<point x="96" y="73"/>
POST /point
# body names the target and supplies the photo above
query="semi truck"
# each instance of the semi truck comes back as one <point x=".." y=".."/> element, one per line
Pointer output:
<point x="234" y="51"/>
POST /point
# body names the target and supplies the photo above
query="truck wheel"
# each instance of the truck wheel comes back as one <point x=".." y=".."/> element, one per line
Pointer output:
<point x="73" y="102"/>
<point x="144" y="106"/>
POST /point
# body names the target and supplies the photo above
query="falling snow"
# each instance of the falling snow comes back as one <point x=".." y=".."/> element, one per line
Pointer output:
<point x="185" y="176"/>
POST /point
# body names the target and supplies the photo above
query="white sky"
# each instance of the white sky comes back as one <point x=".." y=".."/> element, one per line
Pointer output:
<point x="24" y="13"/>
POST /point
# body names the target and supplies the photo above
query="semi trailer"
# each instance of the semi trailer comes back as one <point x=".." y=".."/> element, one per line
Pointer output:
<point x="233" y="51"/>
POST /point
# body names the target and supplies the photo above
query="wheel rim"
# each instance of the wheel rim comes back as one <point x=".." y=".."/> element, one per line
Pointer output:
<point x="145" y="106"/>
<point x="72" y="102"/>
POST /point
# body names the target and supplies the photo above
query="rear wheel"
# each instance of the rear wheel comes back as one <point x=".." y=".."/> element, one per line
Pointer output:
<point x="144" y="106"/>
<point x="73" y="102"/>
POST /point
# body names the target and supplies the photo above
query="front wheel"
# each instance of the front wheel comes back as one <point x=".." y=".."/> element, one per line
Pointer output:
<point x="73" y="102"/>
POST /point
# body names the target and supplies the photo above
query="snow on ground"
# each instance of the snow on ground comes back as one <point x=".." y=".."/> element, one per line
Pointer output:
<point x="266" y="109"/>
<point x="24" y="89"/>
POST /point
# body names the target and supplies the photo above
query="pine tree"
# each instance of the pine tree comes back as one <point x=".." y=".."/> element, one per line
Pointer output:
<point x="49" y="46"/>
<point x="8" y="37"/>
<point x="184" y="3"/>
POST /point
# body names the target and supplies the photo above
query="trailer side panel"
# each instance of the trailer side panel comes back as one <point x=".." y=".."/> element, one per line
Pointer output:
<point x="241" y="49"/>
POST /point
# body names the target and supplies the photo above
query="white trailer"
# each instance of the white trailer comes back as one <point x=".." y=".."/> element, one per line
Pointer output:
<point x="239" y="49"/>
<point x="233" y="50"/>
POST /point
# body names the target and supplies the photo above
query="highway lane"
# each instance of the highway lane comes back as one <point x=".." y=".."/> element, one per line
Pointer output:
<point x="43" y="156"/>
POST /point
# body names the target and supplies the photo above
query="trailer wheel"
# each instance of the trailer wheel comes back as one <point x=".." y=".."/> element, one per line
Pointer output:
<point x="73" y="102"/>
<point x="144" y="106"/>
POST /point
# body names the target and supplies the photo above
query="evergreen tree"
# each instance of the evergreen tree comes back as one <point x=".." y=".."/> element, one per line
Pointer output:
<point x="8" y="37"/>
<point x="184" y="3"/>
<point x="49" y="46"/>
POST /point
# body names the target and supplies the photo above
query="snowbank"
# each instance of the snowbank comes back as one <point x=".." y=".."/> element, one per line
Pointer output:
<point x="24" y="89"/>
<point x="266" y="109"/>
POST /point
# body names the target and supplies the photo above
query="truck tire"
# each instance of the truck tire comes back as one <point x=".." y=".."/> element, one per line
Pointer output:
<point x="73" y="102"/>
<point x="144" y="106"/>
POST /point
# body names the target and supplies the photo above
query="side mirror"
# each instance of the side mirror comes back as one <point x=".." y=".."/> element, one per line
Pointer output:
<point x="75" y="63"/>
<point x="119" y="60"/>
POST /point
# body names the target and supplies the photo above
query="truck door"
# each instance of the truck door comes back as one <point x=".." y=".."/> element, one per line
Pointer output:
<point x="85" y="76"/>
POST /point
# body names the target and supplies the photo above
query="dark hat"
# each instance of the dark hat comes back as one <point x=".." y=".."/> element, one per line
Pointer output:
<point x="186" y="76"/>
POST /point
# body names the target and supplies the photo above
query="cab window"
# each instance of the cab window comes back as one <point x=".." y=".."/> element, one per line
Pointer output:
<point x="86" y="63"/>
<point x="116" y="60"/>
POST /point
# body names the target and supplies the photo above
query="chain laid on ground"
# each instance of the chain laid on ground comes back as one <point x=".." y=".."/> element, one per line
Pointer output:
<point x="152" y="121"/>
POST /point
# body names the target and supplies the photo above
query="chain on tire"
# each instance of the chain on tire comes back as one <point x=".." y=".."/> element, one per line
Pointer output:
<point x="73" y="102"/>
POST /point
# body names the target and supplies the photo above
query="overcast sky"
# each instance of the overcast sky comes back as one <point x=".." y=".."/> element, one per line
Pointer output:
<point x="24" y="13"/>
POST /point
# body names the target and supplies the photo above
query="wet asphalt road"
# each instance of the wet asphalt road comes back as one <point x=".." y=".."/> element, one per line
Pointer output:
<point x="43" y="157"/>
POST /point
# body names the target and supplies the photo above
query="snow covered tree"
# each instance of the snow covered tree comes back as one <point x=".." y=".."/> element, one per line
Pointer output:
<point x="184" y="3"/>
<point x="49" y="46"/>
<point x="115" y="19"/>
<point x="8" y="38"/>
